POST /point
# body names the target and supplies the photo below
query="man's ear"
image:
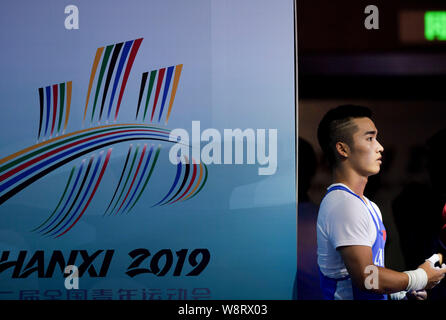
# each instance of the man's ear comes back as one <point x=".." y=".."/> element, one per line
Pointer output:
<point x="342" y="149"/>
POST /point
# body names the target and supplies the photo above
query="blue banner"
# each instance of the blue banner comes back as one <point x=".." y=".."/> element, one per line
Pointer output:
<point x="147" y="150"/>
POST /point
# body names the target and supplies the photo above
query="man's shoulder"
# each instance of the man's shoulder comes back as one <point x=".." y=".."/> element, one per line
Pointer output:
<point x="341" y="206"/>
<point x="338" y="197"/>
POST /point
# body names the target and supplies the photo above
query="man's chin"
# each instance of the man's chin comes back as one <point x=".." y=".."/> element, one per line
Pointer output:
<point x="374" y="172"/>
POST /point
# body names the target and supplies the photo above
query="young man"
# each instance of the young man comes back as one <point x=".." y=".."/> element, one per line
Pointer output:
<point x="350" y="232"/>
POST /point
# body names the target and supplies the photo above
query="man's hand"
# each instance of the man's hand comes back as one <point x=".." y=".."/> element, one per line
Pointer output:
<point x="434" y="274"/>
<point x="417" y="295"/>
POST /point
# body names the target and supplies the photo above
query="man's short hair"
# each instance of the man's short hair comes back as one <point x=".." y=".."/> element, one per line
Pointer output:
<point x="336" y="125"/>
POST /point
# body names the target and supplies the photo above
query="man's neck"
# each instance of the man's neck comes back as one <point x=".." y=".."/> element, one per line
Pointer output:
<point x="351" y="179"/>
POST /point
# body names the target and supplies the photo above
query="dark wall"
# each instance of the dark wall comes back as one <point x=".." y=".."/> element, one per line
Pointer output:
<point x="339" y="61"/>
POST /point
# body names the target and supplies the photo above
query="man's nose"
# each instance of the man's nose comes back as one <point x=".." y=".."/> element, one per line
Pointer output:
<point x="380" y="147"/>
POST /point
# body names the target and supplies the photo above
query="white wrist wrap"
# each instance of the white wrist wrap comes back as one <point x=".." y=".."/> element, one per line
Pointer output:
<point x="417" y="279"/>
<point x="398" y="295"/>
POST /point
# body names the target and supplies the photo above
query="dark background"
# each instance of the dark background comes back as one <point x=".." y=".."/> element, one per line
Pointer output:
<point x="340" y="61"/>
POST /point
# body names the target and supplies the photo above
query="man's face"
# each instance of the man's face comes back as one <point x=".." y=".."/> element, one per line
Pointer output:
<point x="365" y="151"/>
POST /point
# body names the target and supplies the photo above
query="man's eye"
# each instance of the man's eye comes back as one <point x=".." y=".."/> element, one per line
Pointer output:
<point x="370" y="138"/>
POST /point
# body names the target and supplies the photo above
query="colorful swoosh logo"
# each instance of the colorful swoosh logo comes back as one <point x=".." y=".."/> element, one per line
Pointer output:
<point x="110" y="72"/>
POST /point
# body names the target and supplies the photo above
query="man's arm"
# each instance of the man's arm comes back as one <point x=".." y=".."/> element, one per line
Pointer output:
<point x="357" y="258"/>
